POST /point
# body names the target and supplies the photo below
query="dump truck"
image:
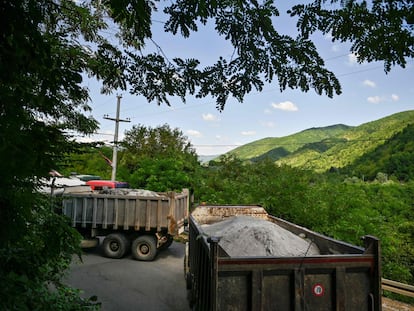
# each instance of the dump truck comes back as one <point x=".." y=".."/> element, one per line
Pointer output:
<point x="340" y="276"/>
<point x="141" y="221"/>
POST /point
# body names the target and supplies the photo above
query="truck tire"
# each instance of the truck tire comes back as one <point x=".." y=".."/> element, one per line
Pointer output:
<point x="115" y="245"/>
<point x="144" y="248"/>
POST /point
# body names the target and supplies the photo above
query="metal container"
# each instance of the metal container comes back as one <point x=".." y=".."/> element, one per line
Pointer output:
<point x="343" y="277"/>
<point x="123" y="216"/>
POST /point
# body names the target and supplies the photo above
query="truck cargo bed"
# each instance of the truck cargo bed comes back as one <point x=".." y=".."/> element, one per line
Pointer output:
<point x="342" y="277"/>
<point x="121" y="210"/>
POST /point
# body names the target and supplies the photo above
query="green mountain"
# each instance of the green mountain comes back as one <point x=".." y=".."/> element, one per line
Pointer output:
<point x="320" y="149"/>
<point x="394" y="157"/>
<point x="276" y="148"/>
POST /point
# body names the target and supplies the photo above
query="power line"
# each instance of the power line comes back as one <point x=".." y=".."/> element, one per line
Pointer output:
<point x="296" y="143"/>
<point x="257" y="93"/>
<point x="283" y="144"/>
<point x="359" y="71"/>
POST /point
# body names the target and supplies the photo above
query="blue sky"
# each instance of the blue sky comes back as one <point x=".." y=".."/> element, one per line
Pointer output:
<point x="368" y="94"/>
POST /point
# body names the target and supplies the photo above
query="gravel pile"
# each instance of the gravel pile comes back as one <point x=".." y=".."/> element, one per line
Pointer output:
<point x="130" y="192"/>
<point x="249" y="236"/>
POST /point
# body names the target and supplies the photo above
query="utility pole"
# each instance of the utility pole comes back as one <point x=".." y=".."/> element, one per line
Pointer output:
<point x="115" y="150"/>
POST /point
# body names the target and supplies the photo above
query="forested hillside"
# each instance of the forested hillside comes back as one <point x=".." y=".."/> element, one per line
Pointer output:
<point x="275" y="148"/>
<point x="321" y="149"/>
<point x="395" y="158"/>
<point x="350" y="145"/>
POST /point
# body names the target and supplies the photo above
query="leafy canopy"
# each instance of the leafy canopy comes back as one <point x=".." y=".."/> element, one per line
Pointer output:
<point x="159" y="158"/>
<point x="379" y="30"/>
<point x="261" y="54"/>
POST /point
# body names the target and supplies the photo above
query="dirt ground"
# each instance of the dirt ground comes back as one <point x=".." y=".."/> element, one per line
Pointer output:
<point x="392" y="305"/>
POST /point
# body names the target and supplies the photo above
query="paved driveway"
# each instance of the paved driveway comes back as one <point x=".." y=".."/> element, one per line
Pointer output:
<point x="127" y="284"/>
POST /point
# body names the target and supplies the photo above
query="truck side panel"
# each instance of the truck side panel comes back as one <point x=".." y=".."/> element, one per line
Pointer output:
<point x="314" y="284"/>
<point x="117" y="213"/>
<point x="122" y="212"/>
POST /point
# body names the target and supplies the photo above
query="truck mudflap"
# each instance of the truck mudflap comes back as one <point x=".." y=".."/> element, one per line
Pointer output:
<point x="346" y="279"/>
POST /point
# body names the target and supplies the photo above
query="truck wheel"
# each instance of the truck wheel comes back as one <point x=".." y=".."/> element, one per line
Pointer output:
<point x="144" y="248"/>
<point x="115" y="245"/>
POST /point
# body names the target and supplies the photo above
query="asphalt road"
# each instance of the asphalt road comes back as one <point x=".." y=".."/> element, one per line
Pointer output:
<point x="128" y="284"/>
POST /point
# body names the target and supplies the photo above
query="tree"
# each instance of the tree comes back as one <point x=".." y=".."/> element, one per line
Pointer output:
<point x="41" y="99"/>
<point x="379" y="30"/>
<point x="158" y="158"/>
<point x="91" y="159"/>
<point x="261" y="54"/>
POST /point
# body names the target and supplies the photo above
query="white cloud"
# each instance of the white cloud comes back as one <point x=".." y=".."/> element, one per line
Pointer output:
<point x="248" y="133"/>
<point x="209" y="117"/>
<point x="352" y="59"/>
<point x="268" y="111"/>
<point x="395" y="97"/>
<point x="194" y="133"/>
<point x="369" y="83"/>
<point x="285" y="106"/>
<point x="375" y="99"/>
<point x="378" y="99"/>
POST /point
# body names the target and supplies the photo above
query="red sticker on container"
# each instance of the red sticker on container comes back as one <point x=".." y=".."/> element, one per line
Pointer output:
<point x="318" y="290"/>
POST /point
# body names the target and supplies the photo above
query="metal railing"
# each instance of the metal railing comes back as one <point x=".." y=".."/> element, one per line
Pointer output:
<point x="398" y="288"/>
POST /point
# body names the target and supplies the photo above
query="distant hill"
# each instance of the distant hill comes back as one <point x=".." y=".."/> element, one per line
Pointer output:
<point x="206" y="158"/>
<point x="394" y="157"/>
<point x="322" y="148"/>
<point x="276" y="148"/>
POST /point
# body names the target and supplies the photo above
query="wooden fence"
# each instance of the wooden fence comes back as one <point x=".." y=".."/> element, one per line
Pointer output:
<point x="398" y="288"/>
